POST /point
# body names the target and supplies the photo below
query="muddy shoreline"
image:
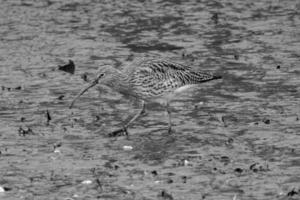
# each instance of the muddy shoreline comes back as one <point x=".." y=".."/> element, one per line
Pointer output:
<point x="234" y="139"/>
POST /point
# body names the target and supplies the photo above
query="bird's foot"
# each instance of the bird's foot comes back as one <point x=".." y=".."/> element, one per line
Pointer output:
<point x="119" y="132"/>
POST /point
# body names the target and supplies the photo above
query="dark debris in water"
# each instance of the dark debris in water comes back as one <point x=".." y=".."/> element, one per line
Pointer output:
<point x="184" y="179"/>
<point x="97" y="118"/>
<point x="154" y="173"/>
<point x="266" y="121"/>
<point x="99" y="185"/>
<point x="229" y="141"/>
<point x="57" y="145"/>
<point x="225" y="160"/>
<point x="164" y="195"/>
<point x="238" y="170"/>
<point x="119" y="132"/>
<point x="215" y="18"/>
<point x="3" y="88"/>
<point x="110" y="165"/>
<point x="236" y="56"/>
<point x="293" y="192"/>
<point x="257" y="167"/>
<point x="84" y="77"/>
<point x="60" y="97"/>
<point x="25" y="131"/>
<point x="70" y="67"/>
<point x="48" y="116"/>
<point x="6" y="189"/>
<point x="169" y="181"/>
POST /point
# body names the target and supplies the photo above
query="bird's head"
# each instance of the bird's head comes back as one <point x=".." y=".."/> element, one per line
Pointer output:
<point x="106" y="74"/>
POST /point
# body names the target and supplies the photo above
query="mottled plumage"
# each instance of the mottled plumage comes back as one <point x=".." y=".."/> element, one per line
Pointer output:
<point x="156" y="78"/>
<point x="149" y="80"/>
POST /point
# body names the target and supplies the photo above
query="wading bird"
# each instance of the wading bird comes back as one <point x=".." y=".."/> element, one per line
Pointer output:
<point x="149" y="80"/>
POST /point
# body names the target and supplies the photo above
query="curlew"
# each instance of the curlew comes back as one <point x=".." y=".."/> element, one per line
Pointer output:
<point x="149" y="80"/>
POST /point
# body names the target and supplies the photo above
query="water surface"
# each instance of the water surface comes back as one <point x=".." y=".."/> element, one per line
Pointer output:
<point x="234" y="139"/>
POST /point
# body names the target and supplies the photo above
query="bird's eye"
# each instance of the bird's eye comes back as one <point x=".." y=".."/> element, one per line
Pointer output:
<point x="100" y="76"/>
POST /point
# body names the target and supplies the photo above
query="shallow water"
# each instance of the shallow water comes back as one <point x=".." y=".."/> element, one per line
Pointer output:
<point x="237" y="138"/>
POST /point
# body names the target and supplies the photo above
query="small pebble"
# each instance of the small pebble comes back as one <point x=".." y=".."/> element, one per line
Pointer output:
<point x="57" y="151"/>
<point x="127" y="148"/>
<point x="1" y="189"/>
<point x="86" y="182"/>
<point x="186" y="162"/>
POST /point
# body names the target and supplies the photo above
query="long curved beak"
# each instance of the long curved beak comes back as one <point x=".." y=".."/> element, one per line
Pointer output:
<point x="95" y="82"/>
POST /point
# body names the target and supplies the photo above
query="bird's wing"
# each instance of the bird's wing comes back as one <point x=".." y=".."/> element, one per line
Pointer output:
<point x="163" y="76"/>
<point x="163" y="70"/>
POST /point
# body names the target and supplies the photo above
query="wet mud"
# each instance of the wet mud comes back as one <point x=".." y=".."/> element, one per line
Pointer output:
<point x="235" y="138"/>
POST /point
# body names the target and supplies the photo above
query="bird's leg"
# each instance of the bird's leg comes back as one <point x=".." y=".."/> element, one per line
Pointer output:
<point x="142" y="111"/>
<point x="124" y="128"/>
<point x="169" y="117"/>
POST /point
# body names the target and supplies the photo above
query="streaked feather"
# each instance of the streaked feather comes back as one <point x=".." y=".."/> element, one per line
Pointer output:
<point x="153" y="78"/>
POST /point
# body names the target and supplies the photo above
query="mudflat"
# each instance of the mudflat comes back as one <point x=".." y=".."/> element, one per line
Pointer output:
<point x="237" y="138"/>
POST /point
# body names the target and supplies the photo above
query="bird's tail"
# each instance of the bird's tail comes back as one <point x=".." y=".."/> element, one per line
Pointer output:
<point x="204" y="77"/>
<point x="216" y="77"/>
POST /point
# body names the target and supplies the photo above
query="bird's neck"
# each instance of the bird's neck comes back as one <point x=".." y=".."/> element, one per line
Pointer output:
<point x="118" y="79"/>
